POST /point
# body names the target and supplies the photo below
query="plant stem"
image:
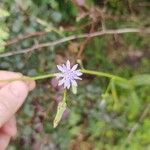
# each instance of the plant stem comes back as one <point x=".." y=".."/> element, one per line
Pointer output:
<point x="26" y="78"/>
<point x="43" y="76"/>
<point x="108" y="87"/>
<point x="103" y="74"/>
<point x="64" y="96"/>
<point x="90" y="72"/>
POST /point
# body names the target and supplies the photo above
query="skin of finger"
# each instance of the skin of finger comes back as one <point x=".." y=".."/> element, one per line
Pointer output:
<point x="10" y="127"/>
<point x="4" y="141"/>
<point x="12" y="97"/>
<point x="31" y="84"/>
<point x="5" y="75"/>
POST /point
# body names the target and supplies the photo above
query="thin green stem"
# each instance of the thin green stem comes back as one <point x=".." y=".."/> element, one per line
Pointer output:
<point x="114" y="94"/>
<point x="43" y="76"/>
<point x="108" y="87"/>
<point x="103" y="74"/>
<point x="15" y="79"/>
<point x="26" y="78"/>
<point x="65" y="95"/>
<point x="91" y="72"/>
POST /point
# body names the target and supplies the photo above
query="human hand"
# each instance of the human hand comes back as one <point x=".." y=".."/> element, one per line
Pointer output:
<point x="12" y="96"/>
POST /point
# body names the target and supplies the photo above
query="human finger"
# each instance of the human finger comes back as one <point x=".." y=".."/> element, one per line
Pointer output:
<point x="12" y="97"/>
<point x="10" y="127"/>
<point x="6" y="75"/>
<point x="4" y="141"/>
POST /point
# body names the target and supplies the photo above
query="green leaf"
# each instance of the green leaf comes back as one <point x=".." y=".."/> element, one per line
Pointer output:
<point x="60" y="110"/>
<point x="114" y="95"/>
<point x="42" y="22"/>
<point x="3" y="34"/>
<point x="2" y="47"/>
<point x="134" y="105"/>
<point x="3" y="13"/>
<point x="140" y="80"/>
<point x="74" y="118"/>
<point x="124" y="85"/>
<point x="74" y="89"/>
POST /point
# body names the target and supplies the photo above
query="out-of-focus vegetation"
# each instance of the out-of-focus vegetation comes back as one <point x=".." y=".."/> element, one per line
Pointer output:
<point x="92" y="121"/>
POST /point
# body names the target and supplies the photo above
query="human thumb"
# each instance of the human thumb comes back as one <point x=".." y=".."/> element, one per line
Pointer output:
<point x="12" y="97"/>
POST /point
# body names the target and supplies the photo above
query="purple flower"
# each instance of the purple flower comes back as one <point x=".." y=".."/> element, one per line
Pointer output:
<point x="68" y="75"/>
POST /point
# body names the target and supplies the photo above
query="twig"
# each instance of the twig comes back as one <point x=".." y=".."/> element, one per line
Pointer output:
<point x="73" y="37"/>
<point x="23" y="37"/>
<point x="84" y="43"/>
<point x="37" y="33"/>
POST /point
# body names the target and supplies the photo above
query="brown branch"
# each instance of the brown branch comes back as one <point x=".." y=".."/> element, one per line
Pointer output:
<point x="74" y="37"/>
<point x="23" y="37"/>
<point x="84" y="43"/>
<point x="38" y="33"/>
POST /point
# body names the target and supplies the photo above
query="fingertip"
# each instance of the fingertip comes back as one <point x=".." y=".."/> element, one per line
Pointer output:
<point x="12" y="97"/>
<point x="4" y="141"/>
<point x="9" y="74"/>
<point x="10" y="127"/>
<point x="18" y="89"/>
<point x="6" y="75"/>
<point x="31" y="84"/>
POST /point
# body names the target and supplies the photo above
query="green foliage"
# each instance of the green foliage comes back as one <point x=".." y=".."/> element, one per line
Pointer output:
<point x="3" y="13"/>
<point x="3" y="29"/>
<point x="140" y="80"/>
<point x="69" y="12"/>
<point x="94" y="121"/>
<point x="60" y="110"/>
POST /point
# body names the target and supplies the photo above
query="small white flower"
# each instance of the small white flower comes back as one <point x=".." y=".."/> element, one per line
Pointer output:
<point x="68" y="75"/>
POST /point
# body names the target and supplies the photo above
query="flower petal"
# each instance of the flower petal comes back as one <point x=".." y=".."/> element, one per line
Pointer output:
<point x="60" y="68"/>
<point x="59" y="75"/>
<point x="74" y="67"/>
<point x="78" y="78"/>
<point x="67" y="83"/>
<point x="64" y="67"/>
<point x="68" y="86"/>
<point x="74" y="83"/>
<point x="68" y="64"/>
<point x="68" y="75"/>
<point x="78" y="73"/>
<point x="61" y="82"/>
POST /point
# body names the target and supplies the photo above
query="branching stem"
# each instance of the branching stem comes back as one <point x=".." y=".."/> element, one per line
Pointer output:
<point x="90" y="72"/>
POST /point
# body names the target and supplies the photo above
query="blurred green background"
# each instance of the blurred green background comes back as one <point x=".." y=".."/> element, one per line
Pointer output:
<point x="90" y="122"/>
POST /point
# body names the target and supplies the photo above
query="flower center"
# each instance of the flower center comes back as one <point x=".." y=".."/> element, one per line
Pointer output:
<point x="69" y="75"/>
